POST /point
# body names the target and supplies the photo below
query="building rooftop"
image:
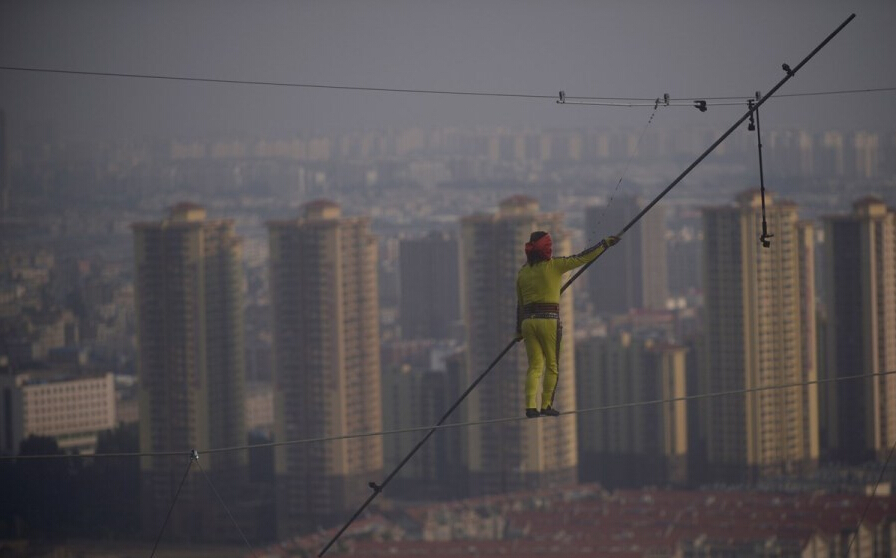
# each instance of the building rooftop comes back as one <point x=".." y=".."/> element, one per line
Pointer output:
<point x="586" y="521"/>
<point x="321" y="209"/>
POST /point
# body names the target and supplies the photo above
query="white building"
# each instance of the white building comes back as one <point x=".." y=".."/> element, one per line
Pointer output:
<point x="71" y="410"/>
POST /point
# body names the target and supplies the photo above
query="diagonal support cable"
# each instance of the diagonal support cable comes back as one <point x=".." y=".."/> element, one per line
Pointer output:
<point x="377" y="488"/>
<point x="193" y="457"/>
<point x="221" y="500"/>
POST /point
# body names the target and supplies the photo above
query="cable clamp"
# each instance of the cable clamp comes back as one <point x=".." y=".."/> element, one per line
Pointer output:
<point x="562" y="99"/>
<point x="376" y="487"/>
<point x="787" y="69"/>
<point x="752" y="125"/>
<point x="194" y="455"/>
<point x="700" y="105"/>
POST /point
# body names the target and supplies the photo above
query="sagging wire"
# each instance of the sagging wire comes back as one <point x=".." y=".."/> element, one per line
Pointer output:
<point x="587" y="410"/>
<point x="700" y="103"/>
<point x="666" y="101"/>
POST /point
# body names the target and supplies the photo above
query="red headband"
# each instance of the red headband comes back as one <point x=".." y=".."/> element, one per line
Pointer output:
<point x="543" y="248"/>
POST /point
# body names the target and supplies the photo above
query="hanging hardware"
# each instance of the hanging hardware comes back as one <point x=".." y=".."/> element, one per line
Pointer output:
<point x="754" y="125"/>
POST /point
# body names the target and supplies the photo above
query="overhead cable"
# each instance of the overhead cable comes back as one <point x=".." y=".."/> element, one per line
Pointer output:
<point x="571" y="100"/>
<point x="271" y="83"/>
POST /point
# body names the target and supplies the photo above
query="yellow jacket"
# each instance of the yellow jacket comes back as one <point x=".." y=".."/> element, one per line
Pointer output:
<point x="541" y="282"/>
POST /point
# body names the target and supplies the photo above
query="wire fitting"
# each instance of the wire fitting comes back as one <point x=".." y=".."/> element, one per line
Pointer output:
<point x="194" y="455"/>
<point x="752" y="125"/>
<point x="377" y="488"/>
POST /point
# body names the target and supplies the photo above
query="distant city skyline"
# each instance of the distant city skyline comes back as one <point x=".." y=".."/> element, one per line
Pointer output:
<point x="304" y="150"/>
<point x="777" y="295"/>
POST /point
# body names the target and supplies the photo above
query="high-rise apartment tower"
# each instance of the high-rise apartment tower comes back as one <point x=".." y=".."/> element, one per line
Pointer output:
<point x="639" y="445"/>
<point x="326" y="363"/>
<point x="860" y="299"/>
<point x="191" y="362"/>
<point x="760" y="333"/>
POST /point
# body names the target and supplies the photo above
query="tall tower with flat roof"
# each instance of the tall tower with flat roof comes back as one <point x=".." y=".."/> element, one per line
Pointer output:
<point x="327" y="363"/>
<point x="759" y="333"/>
<point x="860" y="298"/>
<point x="631" y="446"/>
<point x="191" y="358"/>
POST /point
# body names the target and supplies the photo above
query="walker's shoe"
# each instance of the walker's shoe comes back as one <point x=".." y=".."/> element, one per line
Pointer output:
<point x="550" y="412"/>
<point x="532" y="413"/>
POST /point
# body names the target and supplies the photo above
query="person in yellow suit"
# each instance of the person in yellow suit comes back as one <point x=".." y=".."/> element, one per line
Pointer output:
<point x="538" y="313"/>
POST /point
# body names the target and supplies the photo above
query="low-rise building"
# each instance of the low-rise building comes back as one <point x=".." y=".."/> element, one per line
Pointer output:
<point x="73" y="410"/>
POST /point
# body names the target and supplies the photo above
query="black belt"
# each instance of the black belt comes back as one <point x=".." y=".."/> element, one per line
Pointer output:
<point x="545" y="310"/>
<point x="543" y="315"/>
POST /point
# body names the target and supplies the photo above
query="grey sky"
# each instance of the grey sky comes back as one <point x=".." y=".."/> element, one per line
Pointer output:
<point x="624" y="48"/>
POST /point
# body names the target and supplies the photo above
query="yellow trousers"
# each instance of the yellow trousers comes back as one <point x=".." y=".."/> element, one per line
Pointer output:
<point x="542" y="339"/>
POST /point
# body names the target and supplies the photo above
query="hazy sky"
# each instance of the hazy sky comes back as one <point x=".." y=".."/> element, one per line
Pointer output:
<point x="624" y="48"/>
